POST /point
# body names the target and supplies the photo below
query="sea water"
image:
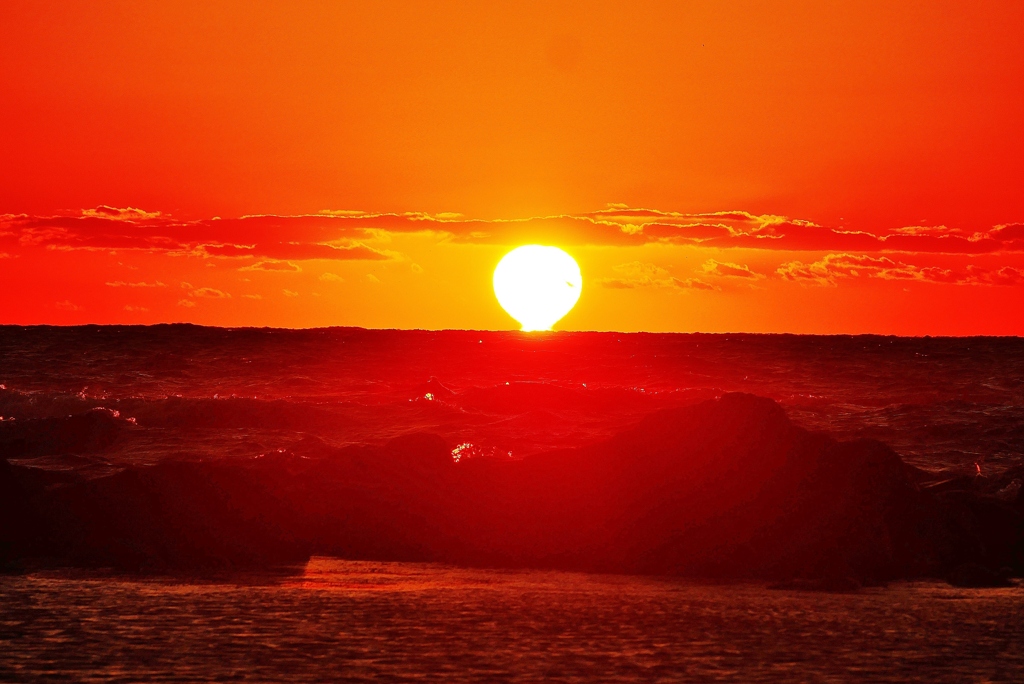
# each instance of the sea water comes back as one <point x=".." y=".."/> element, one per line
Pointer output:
<point x="183" y="392"/>
<point x="365" y="621"/>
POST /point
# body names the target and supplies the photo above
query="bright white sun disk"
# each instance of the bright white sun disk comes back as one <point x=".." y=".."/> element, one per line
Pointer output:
<point x="537" y="285"/>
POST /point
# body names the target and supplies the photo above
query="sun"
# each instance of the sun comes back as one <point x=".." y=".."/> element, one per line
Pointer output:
<point x="537" y="285"/>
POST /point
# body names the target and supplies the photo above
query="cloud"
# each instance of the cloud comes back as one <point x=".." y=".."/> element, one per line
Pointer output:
<point x="280" y="251"/>
<point x="209" y="293"/>
<point x="219" y="250"/>
<point x="274" y="237"/>
<point x="135" y="309"/>
<point x="290" y="293"/>
<point x="1007" y="233"/>
<point x="724" y="269"/>
<point x="272" y="266"/>
<point x="341" y="235"/>
<point x="694" y="284"/>
<point x="122" y="283"/>
<point x="349" y="235"/>
<point x="832" y="268"/>
<point x="187" y="303"/>
<point x="1006" y="275"/>
<point x="932" y="274"/>
<point x="205" y="292"/>
<point x="637" y="274"/>
<point x="125" y="214"/>
<point x="67" y="306"/>
<point x="331" y="278"/>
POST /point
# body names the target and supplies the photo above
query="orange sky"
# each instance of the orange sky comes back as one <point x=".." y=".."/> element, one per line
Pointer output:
<point x="855" y="167"/>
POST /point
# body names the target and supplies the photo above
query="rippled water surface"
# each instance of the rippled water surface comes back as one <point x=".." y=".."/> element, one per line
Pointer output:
<point x="182" y="392"/>
<point x="364" y="621"/>
<point x="217" y="393"/>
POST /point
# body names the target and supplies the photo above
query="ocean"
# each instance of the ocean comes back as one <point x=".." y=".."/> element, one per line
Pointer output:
<point x="190" y="392"/>
<point x="358" y="621"/>
<point x="182" y="393"/>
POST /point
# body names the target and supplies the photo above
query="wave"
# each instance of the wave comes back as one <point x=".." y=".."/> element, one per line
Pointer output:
<point x="95" y="430"/>
<point x="723" y="488"/>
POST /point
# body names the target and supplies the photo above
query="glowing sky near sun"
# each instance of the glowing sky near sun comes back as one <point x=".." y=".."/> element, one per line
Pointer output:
<point x="854" y="167"/>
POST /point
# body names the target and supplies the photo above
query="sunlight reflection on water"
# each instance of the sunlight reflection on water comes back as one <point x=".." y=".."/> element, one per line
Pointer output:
<point x="365" y="621"/>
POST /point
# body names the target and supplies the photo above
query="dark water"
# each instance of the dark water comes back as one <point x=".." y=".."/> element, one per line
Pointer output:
<point x="361" y="621"/>
<point x="182" y="392"/>
<point x="211" y="393"/>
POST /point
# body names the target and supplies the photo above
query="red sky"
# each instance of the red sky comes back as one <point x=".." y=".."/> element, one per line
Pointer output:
<point x="803" y="167"/>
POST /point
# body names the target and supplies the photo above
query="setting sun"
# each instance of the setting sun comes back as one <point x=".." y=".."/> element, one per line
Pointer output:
<point x="537" y="285"/>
